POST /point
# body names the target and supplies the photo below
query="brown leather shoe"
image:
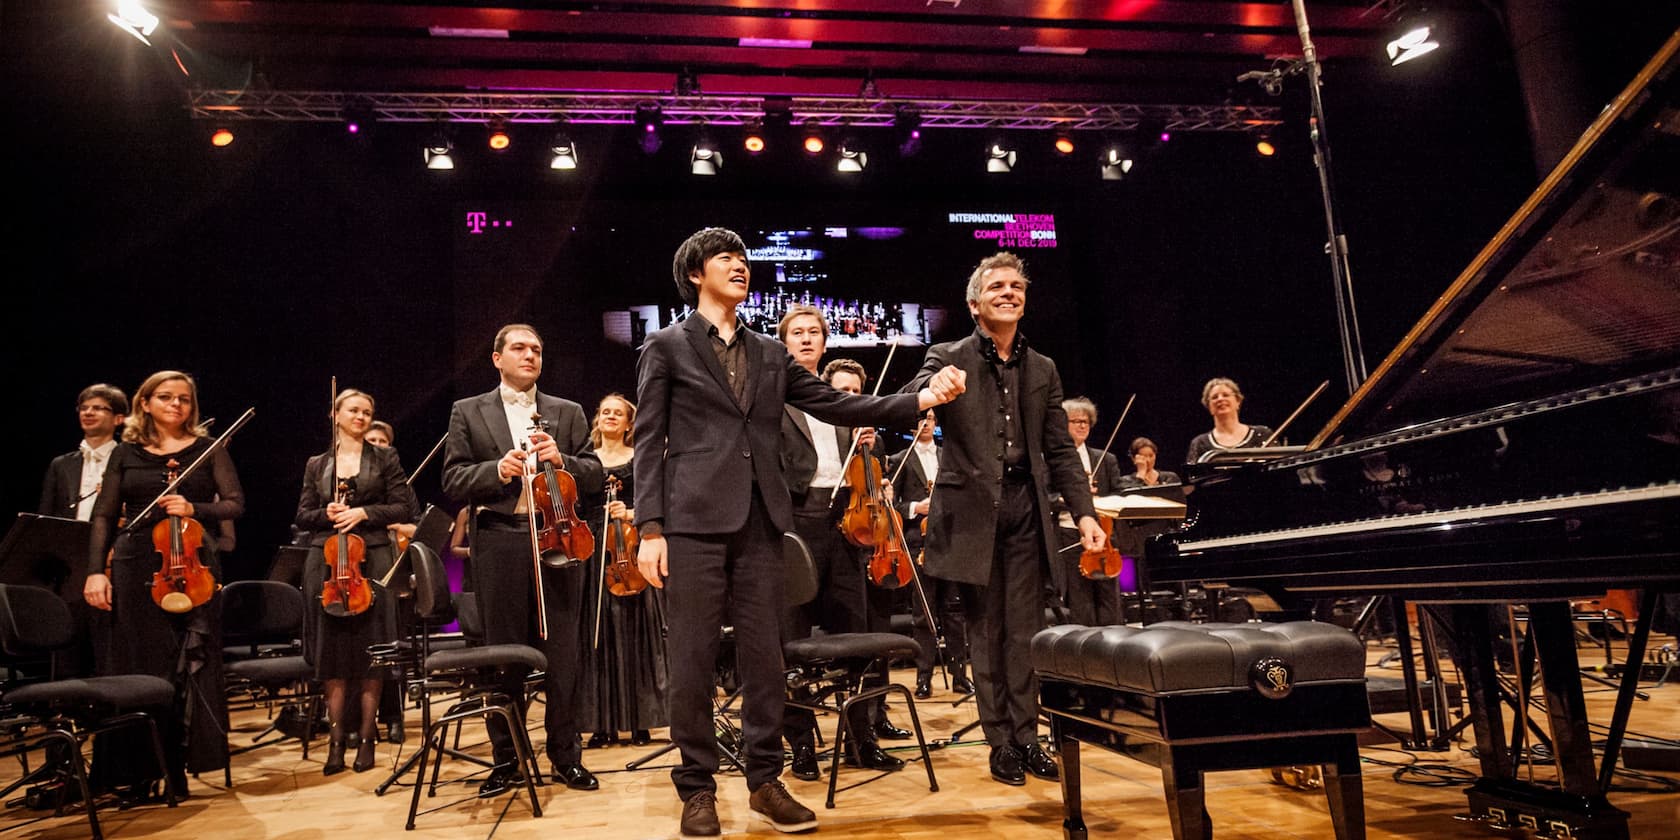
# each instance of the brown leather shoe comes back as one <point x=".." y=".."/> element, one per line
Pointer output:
<point x="773" y="804"/>
<point x="699" y="816"/>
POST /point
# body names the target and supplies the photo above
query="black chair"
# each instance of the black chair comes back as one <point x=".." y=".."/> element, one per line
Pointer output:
<point x="263" y="623"/>
<point x="826" y="672"/>
<point x="35" y="622"/>
<point x="470" y="671"/>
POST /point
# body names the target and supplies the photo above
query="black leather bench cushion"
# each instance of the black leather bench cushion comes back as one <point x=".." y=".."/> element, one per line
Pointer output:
<point x="848" y="646"/>
<point x="1178" y="656"/>
<point x="487" y="656"/>
<point x="122" y="692"/>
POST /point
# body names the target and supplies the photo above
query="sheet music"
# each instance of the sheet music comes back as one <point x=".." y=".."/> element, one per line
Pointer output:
<point x="1134" y="506"/>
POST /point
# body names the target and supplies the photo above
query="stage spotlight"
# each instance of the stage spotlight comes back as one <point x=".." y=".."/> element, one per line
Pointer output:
<point x="907" y="127"/>
<point x="648" y="119"/>
<point x="1116" y="162"/>
<point x="1263" y="145"/>
<point x="1414" y="42"/>
<point x="440" y="151"/>
<point x="563" y="152"/>
<point x="499" y="139"/>
<point x="1064" y="144"/>
<point x="705" y="159"/>
<point x="222" y="137"/>
<point x="813" y="143"/>
<point x="132" y="17"/>
<point x="852" y="156"/>
<point x="753" y="139"/>
<point x="1000" y="157"/>
<point x="358" y="120"/>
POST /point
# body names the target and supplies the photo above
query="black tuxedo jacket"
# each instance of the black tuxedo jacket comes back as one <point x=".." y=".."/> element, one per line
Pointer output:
<point x="479" y="437"/>
<point x="799" y="451"/>
<point x="909" y="486"/>
<point x="62" y="487"/>
<point x="698" y="452"/>
<point x="962" y="524"/>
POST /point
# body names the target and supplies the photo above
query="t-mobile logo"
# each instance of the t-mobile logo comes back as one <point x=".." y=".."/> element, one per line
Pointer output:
<point x="478" y="220"/>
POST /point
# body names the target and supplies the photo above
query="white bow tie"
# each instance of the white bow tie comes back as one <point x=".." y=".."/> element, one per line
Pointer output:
<point x="512" y="397"/>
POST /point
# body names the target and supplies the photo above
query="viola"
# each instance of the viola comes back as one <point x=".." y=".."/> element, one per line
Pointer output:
<point x="345" y="592"/>
<point x="560" y="536"/>
<point x="870" y="522"/>
<point x="619" y="550"/>
<point x="1103" y="563"/>
<point x="182" y="581"/>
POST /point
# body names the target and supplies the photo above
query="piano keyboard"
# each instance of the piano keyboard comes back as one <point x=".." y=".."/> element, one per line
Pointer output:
<point x="1443" y="518"/>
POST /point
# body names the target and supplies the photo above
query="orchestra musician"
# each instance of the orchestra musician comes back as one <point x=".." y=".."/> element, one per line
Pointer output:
<point x="1143" y="472"/>
<point x="1223" y="400"/>
<point x="380" y="433"/>
<point x="989" y="526"/>
<point x="624" y="675"/>
<point x="184" y="648"/>
<point x="910" y="494"/>
<point x="375" y="495"/>
<point x="711" y="505"/>
<point x="1089" y="602"/>
<point x="484" y="463"/>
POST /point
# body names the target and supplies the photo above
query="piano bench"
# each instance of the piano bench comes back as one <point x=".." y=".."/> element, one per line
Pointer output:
<point x="1193" y="698"/>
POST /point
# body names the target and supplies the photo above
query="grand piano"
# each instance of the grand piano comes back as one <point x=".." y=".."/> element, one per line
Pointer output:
<point x="1520" y="446"/>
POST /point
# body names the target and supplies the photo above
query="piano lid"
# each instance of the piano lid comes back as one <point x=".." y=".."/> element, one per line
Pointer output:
<point x="1580" y="287"/>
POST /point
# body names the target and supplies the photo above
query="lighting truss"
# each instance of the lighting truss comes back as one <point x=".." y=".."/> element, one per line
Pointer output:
<point x="620" y="108"/>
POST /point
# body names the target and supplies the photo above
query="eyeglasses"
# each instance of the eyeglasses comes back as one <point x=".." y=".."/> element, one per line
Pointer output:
<point x="97" y="409"/>
<point x="1072" y="422"/>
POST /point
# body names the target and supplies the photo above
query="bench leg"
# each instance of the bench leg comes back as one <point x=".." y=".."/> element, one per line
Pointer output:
<point x="1183" y="783"/>
<point x="1346" y="791"/>
<point x="1073" y="817"/>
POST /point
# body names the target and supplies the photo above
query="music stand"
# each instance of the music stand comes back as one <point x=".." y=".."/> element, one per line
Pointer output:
<point x="287" y="565"/>
<point x="48" y="551"/>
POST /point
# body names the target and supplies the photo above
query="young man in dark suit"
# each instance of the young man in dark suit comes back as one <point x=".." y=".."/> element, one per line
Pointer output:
<point x="1006" y="449"/>
<point x="910" y="494"/>
<point x="491" y="437"/>
<point x="712" y="504"/>
<point x="1089" y="602"/>
<point x="72" y="479"/>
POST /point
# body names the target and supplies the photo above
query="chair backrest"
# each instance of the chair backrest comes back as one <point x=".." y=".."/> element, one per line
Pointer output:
<point x="466" y="611"/>
<point x="255" y="611"/>
<point x="33" y="621"/>
<point x="799" y="584"/>
<point x="431" y="584"/>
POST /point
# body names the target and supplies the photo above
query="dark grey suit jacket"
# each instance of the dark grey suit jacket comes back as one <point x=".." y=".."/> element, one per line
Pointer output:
<point x="479" y="437"/>
<point x="698" y="453"/>
<point x="962" y="524"/>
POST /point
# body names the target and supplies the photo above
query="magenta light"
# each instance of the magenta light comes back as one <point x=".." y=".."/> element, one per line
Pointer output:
<point x="353" y="128"/>
<point x="1166" y="136"/>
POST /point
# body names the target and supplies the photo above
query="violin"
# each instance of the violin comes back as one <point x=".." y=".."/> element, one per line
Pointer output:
<point x="1103" y="563"/>
<point x="560" y="537"/>
<point x="345" y="592"/>
<point x="619" y="550"/>
<point x="182" y="581"/>
<point x="870" y="522"/>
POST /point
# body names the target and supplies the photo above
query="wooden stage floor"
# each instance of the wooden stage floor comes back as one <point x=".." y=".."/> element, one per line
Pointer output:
<point x="277" y="795"/>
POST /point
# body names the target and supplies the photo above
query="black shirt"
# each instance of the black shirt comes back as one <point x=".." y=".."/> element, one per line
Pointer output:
<point x="733" y="356"/>
<point x="1008" y="375"/>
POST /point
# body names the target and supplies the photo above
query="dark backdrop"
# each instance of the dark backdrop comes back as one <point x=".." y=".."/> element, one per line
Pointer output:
<point x="295" y="256"/>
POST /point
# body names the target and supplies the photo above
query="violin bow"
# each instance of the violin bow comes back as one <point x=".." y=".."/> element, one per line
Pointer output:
<point x="181" y="476"/>
<point x="1296" y="413"/>
<point x="1116" y="433"/>
<point x="385" y="581"/>
<point x="601" y="589"/>
<point x="428" y="459"/>
<point x="852" y="450"/>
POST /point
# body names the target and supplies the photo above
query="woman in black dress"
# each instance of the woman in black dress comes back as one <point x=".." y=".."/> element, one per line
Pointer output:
<point x="375" y="495"/>
<point x="163" y="434"/>
<point x="1223" y="399"/>
<point x="624" y="678"/>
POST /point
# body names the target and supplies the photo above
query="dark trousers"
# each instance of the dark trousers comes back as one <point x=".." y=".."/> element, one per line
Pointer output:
<point x="946" y="599"/>
<point x="711" y="576"/>
<point x="1089" y="602"/>
<point x="1003" y="615"/>
<point x="841" y="603"/>
<point x="507" y="606"/>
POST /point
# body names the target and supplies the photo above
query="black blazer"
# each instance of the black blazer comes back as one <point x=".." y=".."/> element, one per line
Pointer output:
<point x="479" y="437"/>
<point x="910" y="486"/>
<point x="962" y="524"/>
<point x="698" y="453"/>
<point x="381" y="488"/>
<point x="799" y="451"/>
<point x="61" y="489"/>
<point x="1107" y="475"/>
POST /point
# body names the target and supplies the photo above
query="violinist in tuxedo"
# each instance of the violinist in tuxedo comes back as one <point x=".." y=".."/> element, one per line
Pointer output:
<point x="490" y="437"/>
<point x="72" y="479"/>
<point x="989" y="525"/>
<point x="911" y="482"/>
<point x="1089" y="602"/>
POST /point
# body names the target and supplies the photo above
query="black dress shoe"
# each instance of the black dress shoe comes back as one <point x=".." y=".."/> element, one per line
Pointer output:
<point x="804" y="764"/>
<point x="500" y="781"/>
<point x="394" y="732"/>
<point x="575" y="777"/>
<point x="639" y="737"/>
<point x="600" y="739"/>
<point x="885" y="731"/>
<point x="1006" y="766"/>
<point x="961" y="684"/>
<point x="1040" y="764"/>
<point x="874" y="758"/>
<point x="924" y="687"/>
<point x="364" y="756"/>
<point x="335" y="758"/>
